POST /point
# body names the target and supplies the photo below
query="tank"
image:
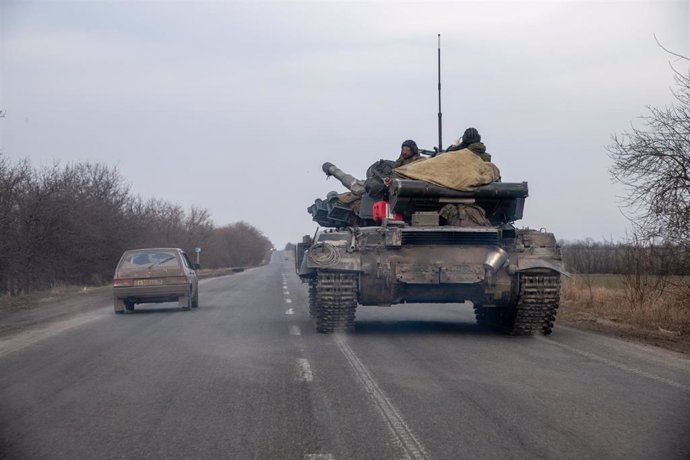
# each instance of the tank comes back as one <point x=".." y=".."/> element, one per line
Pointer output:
<point x="381" y="248"/>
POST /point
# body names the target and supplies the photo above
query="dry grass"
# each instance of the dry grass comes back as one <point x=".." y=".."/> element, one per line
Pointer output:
<point x="34" y="299"/>
<point x="605" y="300"/>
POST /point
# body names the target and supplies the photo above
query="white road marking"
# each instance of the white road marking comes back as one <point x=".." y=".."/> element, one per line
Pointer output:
<point x="402" y="434"/>
<point x="288" y="301"/>
<point x="295" y="330"/>
<point x="289" y="311"/>
<point x="319" y="457"/>
<point x="304" y="370"/>
<point x="617" y="365"/>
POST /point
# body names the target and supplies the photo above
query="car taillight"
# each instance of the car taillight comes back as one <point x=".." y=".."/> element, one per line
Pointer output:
<point x="175" y="280"/>
<point x="119" y="282"/>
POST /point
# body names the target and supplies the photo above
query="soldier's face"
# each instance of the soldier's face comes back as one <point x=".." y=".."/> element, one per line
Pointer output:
<point x="406" y="152"/>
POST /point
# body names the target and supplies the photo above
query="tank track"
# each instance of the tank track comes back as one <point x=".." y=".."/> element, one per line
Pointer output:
<point x="335" y="301"/>
<point x="550" y="317"/>
<point x="486" y="317"/>
<point x="313" y="299"/>
<point x="538" y="298"/>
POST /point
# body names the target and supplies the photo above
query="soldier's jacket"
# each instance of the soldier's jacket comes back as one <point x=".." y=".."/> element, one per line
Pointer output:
<point x="406" y="161"/>
<point x="479" y="149"/>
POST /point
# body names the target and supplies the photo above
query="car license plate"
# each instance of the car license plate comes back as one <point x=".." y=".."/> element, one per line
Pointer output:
<point x="148" y="282"/>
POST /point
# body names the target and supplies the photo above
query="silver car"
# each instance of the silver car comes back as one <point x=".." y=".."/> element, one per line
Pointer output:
<point x="155" y="275"/>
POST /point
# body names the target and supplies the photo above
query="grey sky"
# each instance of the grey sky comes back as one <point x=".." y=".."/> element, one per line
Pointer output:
<point x="243" y="102"/>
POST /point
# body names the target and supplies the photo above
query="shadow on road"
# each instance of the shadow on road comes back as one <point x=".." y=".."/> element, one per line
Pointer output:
<point x="156" y="310"/>
<point x="417" y="327"/>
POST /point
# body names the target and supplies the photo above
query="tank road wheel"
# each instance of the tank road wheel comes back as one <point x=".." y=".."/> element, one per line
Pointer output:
<point x="336" y="301"/>
<point x="312" y="298"/>
<point x="538" y="298"/>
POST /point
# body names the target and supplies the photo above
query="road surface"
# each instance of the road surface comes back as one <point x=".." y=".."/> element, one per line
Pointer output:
<point x="246" y="376"/>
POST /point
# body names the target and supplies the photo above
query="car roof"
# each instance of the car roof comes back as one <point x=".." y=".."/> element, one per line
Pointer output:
<point x="154" y="249"/>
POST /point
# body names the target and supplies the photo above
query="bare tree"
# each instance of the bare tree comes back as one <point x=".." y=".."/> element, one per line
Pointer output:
<point x="653" y="162"/>
<point x="647" y="271"/>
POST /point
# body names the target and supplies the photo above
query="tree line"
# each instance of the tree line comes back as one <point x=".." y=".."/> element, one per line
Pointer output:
<point x="69" y="224"/>
<point x="593" y="257"/>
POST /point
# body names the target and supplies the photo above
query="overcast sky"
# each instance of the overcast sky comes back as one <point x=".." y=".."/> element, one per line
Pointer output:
<point x="234" y="106"/>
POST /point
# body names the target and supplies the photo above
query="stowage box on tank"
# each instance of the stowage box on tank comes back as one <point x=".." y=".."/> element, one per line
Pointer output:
<point x="512" y="276"/>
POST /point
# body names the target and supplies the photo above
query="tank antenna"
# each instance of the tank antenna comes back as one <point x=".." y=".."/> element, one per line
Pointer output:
<point x="440" y="143"/>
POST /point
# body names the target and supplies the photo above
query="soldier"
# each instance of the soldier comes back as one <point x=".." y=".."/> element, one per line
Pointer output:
<point x="409" y="153"/>
<point x="472" y="141"/>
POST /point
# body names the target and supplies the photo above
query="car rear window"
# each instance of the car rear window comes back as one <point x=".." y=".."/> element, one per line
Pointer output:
<point x="147" y="260"/>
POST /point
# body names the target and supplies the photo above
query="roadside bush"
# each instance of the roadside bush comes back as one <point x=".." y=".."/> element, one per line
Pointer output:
<point x="69" y="224"/>
<point x="237" y="245"/>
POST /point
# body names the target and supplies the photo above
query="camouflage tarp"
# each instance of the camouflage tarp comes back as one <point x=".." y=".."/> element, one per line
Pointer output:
<point x="460" y="170"/>
<point x="349" y="198"/>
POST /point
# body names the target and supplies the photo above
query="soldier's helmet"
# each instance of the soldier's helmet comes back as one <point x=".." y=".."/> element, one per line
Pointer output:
<point x="471" y="136"/>
<point x="412" y="145"/>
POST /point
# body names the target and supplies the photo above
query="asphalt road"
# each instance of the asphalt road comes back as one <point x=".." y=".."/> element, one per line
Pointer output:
<point x="246" y="376"/>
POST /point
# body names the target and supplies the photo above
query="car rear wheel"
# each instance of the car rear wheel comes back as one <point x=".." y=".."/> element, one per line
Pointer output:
<point x="186" y="301"/>
<point x="129" y="305"/>
<point x="119" y="305"/>
<point x="195" y="302"/>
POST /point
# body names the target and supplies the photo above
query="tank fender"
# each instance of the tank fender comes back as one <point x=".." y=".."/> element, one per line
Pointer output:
<point x="528" y="263"/>
<point x="304" y="270"/>
<point x="331" y="255"/>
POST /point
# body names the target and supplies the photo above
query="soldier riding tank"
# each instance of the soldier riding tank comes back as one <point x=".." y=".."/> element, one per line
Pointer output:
<point x="403" y="255"/>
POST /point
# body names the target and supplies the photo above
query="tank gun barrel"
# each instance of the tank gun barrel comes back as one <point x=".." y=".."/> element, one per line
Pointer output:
<point x="350" y="182"/>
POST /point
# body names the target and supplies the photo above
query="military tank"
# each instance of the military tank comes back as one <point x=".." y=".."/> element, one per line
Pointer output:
<point x="397" y="248"/>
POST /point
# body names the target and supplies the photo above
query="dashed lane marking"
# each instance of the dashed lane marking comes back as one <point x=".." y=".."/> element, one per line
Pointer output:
<point x="402" y="434"/>
<point x="289" y="311"/>
<point x="617" y="365"/>
<point x="295" y="330"/>
<point x="319" y="457"/>
<point x="288" y="301"/>
<point x="304" y="373"/>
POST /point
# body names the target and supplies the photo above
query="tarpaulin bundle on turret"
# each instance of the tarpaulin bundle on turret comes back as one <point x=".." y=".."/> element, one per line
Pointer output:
<point x="461" y="170"/>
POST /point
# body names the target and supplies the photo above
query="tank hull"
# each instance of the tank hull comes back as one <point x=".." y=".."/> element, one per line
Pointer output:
<point x="389" y="265"/>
